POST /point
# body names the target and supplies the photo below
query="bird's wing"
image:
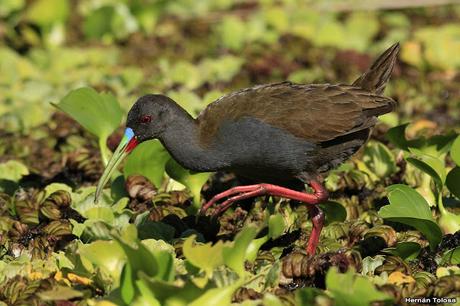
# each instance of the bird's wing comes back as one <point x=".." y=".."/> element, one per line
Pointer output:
<point x="316" y="113"/>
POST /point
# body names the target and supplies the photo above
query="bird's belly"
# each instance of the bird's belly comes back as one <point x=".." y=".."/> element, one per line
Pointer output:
<point x="262" y="152"/>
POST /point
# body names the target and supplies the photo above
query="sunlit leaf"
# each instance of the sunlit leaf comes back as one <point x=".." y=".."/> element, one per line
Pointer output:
<point x="358" y="290"/>
<point x="46" y="12"/>
<point x="106" y="255"/>
<point x="193" y="181"/>
<point x="13" y="170"/>
<point x="204" y="256"/>
<point x="409" y="207"/>
<point x="455" y="151"/>
<point x="234" y="256"/>
<point x="216" y="296"/>
<point x="276" y="226"/>
<point x="127" y="288"/>
<point x="147" y="159"/>
<point x="99" y="113"/>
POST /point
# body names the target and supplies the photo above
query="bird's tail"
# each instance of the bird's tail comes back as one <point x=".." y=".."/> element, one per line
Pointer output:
<point x="377" y="76"/>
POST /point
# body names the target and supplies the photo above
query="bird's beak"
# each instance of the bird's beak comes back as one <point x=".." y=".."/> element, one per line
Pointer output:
<point x="127" y="144"/>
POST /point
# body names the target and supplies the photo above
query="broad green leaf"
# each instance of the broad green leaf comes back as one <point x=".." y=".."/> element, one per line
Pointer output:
<point x="13" y="170"/>
<point x="139" y="257"/>
<point x="193" y="181"/>
<point x="204" y="256"/>
<point x="397" y="136"/>
<point x="431" y="165"/>
<point x="453" y="181"/>
<point x="455" y="151"/>
<point x="451" y="257"/>
<point x="147" y="159"/>
<point x="99" y="113"/>
<point x="276" y="226"/>
<point x="98" y="213"/>
<point x="217" y="296"/>
<point x="47" y="12"/>
<point x="334" y="211"/>
<point x="406" y="250"/>
<point x="107" y="255"/>
<point x="409" y="207"/>
<point x="171" y="294"/>
<point x="234" y="256"/>
<point x="351" y="289"/>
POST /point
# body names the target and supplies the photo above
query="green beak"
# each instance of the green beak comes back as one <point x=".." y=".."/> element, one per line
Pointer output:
<point x="127" y="144"/>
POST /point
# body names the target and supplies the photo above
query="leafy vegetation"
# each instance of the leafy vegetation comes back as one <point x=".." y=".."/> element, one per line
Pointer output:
<point x="69" y="71"/>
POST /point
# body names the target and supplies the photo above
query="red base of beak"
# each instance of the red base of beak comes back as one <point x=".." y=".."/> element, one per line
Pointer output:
<point x="131" y="145"/>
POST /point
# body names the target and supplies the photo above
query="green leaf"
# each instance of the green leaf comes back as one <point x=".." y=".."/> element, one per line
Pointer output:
<point x="351" y="289"/>
<point x="127" y="288"/>
<point x="98" y="113"/>
<point x="276" y="226"/>
<point x="334" y="211"/>
<point x="99" y="22"/>
<point x="307" y="296"/>
<point x="193" y="181"/>
<point x="453" y="181"/>
<point x="147" y="159"/>
<point x="204" y="256"/>
<point x="406" y="250"/>
<point x="433" y="166"/>
<point x="13" y="170"/>
<point x="234" y="256"/>
<point x="217" y="296"/>
<point x="451" y="257"/>
<point x="455" y="151"/>
<point x="47" y="12"/>
<point x="397" y="136"/>
<point x="409" y="207"/>
<point x="98" y="213"/>
<point x="107" y="255"/>
<point x="379" y="159"/>
<point x="139" y="257"/>
<point x="169" y="293"/>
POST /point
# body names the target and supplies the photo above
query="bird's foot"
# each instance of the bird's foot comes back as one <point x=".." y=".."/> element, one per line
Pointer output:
<point x="249" y="191"/>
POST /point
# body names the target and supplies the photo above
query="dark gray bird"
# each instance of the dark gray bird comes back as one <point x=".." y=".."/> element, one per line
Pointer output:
<point x="281" y="135"/>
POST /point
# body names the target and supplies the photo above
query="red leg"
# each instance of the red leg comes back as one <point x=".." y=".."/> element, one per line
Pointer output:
<point x="227" y="193"/>
<point x="317" y="218"/>
<point x="244" y="192"/>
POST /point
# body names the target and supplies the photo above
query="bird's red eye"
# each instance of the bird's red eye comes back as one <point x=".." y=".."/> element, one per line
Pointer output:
<point x="146" y="119"/>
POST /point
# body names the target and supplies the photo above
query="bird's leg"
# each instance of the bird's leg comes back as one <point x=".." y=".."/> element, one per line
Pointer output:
<point x="227" y="193"/>
<point x="244" y="192"/>
<point x="317" y="219"/>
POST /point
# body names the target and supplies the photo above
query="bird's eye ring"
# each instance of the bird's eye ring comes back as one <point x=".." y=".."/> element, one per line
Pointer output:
<point x="146" y="119"/>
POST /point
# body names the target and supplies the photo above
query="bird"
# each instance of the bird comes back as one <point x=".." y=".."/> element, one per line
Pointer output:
<point x="281" y="136"/>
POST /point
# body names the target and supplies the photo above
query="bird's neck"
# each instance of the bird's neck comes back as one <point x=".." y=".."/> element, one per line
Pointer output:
<point x="181" y="139"/>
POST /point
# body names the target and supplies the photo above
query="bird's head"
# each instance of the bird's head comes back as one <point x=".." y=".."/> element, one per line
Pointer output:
<point x="147" y="119"/>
